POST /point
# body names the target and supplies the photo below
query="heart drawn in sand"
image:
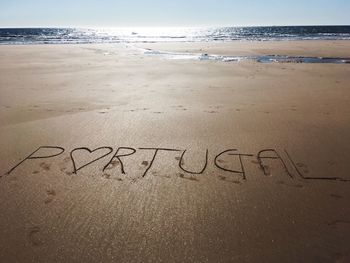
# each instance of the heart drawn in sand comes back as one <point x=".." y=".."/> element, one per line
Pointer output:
<point x="104" y="151"/>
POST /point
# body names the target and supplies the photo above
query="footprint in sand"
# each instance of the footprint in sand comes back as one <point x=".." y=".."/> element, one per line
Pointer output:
<point x="338" y="222"/>
<point x="331" y="163"/>
<point x="113" y="164"/>
<point x="45" y="166"/>
<point x="335" y="196"/>
<point x="50" y="196"/>
<point x="63" y="167"/>
<point x="224" y="178"/>
<point x="179" y="107"/>
<point x="109" y="177"/>
<point x="106" y="176"/>
<point x="191" y="178"/>
<point x="34" y="236"/>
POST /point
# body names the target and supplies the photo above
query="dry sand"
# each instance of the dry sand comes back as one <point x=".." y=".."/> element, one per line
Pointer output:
<point x="113" y="96"/>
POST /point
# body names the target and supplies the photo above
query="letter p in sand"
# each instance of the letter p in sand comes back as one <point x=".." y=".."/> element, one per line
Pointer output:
<point x="47" y="152"/>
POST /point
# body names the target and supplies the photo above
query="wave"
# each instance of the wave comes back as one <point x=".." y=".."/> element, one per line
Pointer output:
<point x="259" y="59"/>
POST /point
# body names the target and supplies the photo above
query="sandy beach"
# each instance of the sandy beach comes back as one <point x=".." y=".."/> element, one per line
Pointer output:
<point x="125" y="157"/>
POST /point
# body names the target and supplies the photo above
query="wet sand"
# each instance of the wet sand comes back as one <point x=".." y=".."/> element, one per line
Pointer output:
<point x="251" y="208"/>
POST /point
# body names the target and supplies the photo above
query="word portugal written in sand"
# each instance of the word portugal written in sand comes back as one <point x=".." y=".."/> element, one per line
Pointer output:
<point x="283" y="159"/>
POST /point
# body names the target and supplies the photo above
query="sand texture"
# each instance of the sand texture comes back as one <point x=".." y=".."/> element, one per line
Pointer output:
<point x="222" y="162"/>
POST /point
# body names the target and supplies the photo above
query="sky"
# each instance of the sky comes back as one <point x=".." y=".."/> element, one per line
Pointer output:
<point x="118" y="13"/>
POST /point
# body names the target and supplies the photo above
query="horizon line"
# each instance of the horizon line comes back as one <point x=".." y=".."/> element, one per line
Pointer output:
<point x="135" y="26"/>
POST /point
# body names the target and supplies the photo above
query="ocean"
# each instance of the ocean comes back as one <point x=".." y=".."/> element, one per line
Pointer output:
<point x="149" y="35"/>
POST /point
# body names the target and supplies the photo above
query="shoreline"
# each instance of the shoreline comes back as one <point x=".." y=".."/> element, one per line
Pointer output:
<point x="302" y="48"/>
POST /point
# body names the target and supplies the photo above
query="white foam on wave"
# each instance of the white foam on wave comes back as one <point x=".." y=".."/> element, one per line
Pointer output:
<point x="260" y="59"/>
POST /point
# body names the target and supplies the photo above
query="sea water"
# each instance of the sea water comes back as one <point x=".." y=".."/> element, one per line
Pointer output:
<point x="169" y="34"/>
